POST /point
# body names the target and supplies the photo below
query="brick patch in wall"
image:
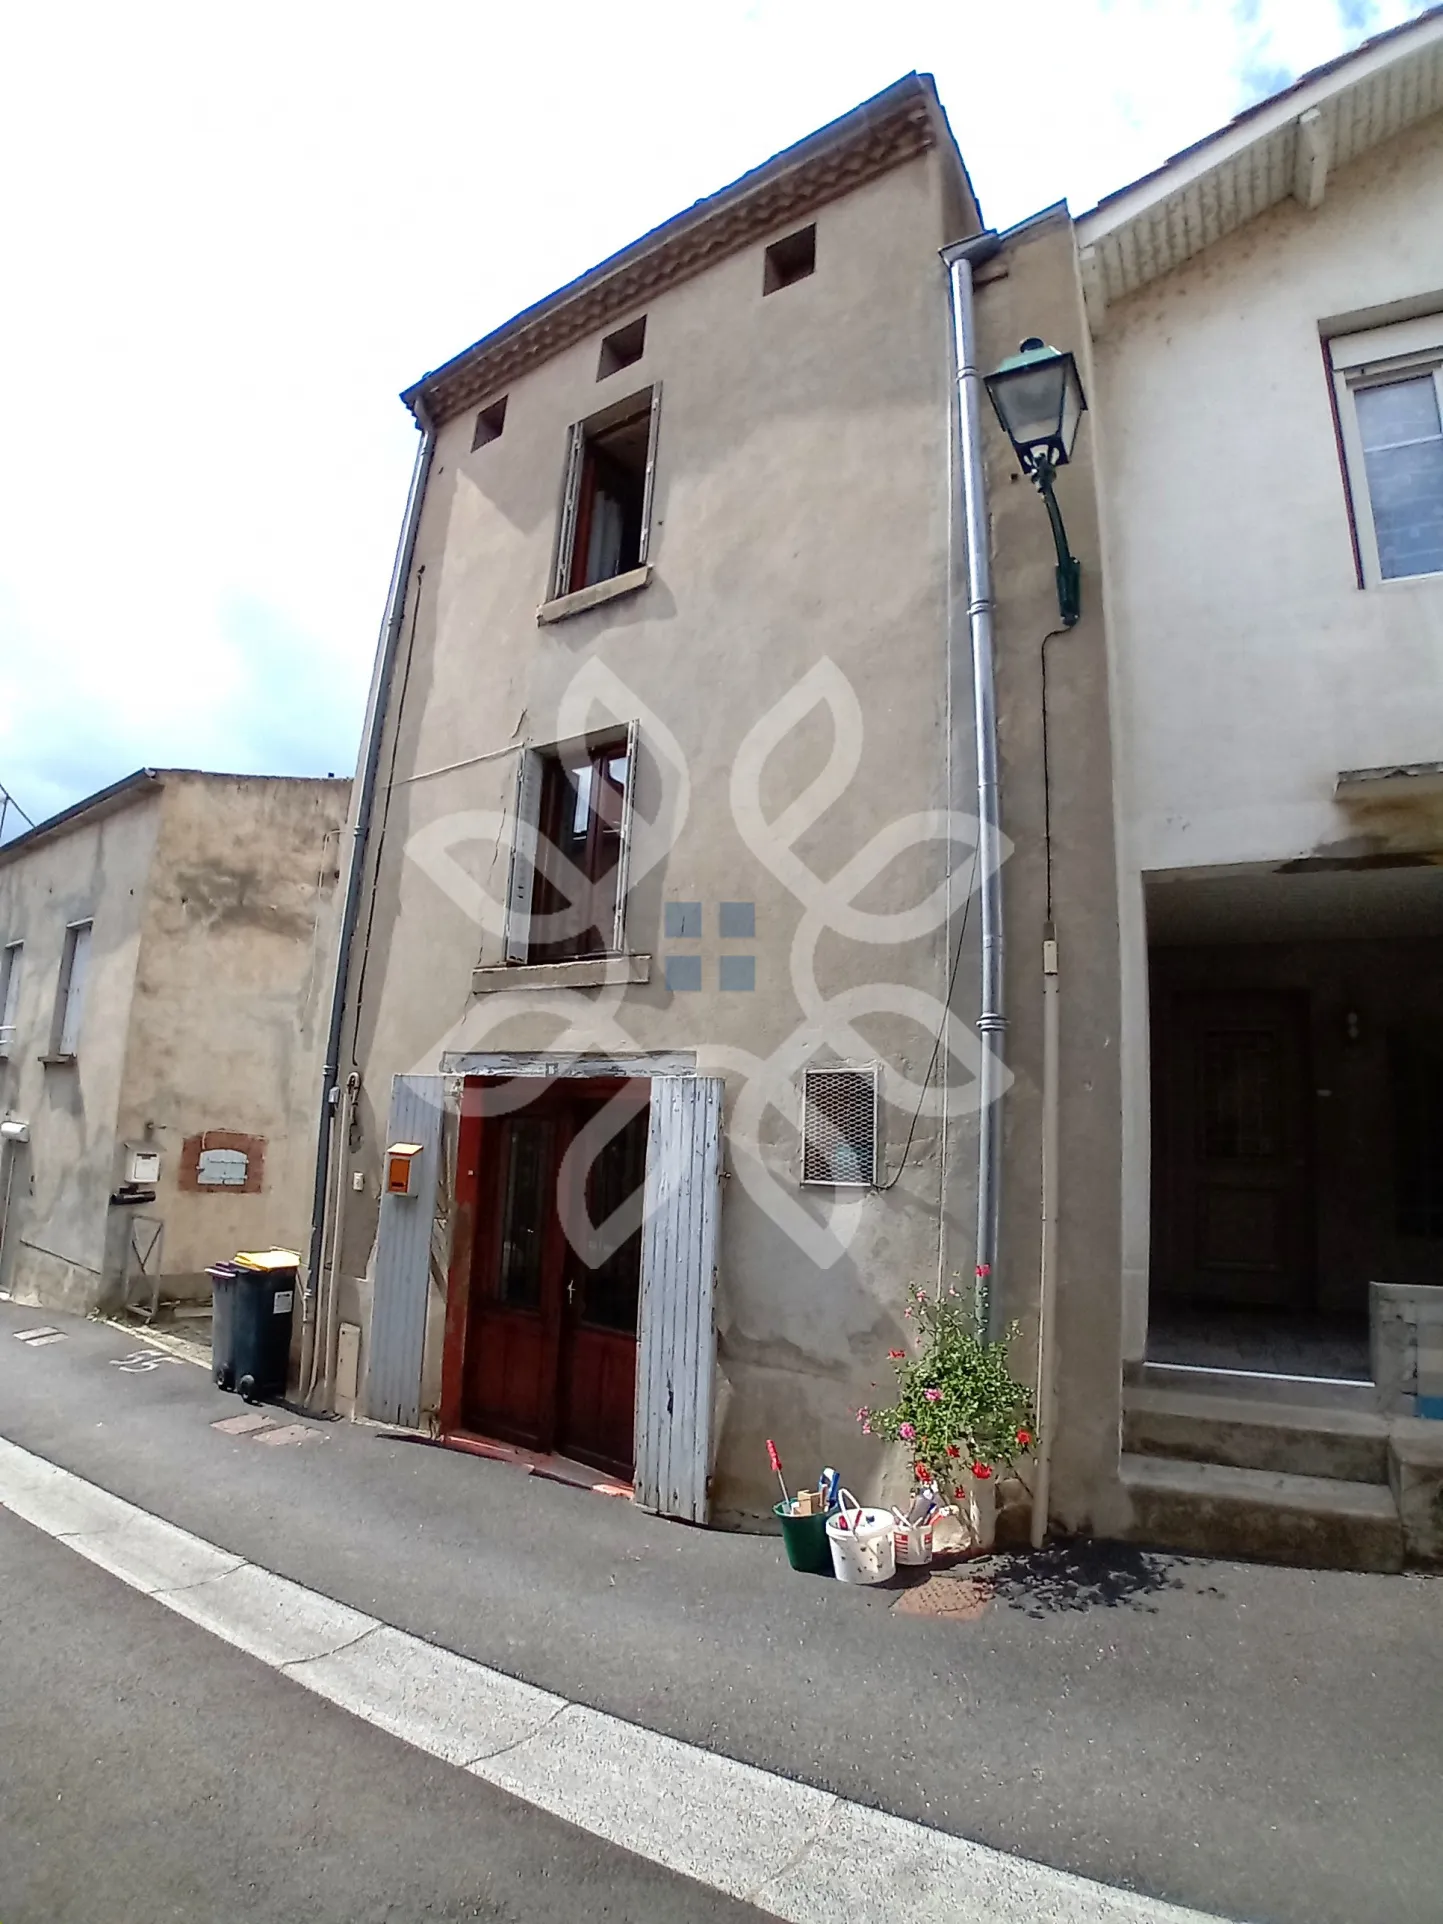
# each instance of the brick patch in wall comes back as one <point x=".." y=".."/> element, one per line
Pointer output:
<point x="253" y="1148"/>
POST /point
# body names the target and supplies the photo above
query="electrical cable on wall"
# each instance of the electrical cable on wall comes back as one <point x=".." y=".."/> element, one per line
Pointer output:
<point x="893" y="1180"/>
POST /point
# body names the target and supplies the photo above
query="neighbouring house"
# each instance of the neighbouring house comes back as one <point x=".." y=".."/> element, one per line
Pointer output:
<point x="165" y="956"/>
<point x="1267" y="321"/>
<point x="663" y="973"/>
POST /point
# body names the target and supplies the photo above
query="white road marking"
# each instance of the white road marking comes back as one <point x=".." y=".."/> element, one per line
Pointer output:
<point x="38" y="1338"/>
<point x="791" y="1850"/>
<point x="140" y="1360"/>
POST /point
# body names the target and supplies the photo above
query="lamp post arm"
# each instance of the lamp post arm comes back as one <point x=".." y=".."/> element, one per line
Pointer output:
<point x="1069" y="568"/>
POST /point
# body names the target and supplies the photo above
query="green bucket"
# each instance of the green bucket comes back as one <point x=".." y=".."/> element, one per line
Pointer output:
<point x="805" y="1538"/>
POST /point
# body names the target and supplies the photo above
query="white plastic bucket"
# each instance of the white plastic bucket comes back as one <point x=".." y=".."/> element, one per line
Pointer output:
<point x="862" y="1542"/>
<point x="913" y="1540"/>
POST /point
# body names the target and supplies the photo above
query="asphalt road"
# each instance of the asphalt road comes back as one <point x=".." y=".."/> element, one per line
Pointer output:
<point x="1258" y="1743"/>
<point x="149" y="1771"/>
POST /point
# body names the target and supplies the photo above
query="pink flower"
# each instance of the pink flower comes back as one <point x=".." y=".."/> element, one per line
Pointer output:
<point x="863" y="1414"/>
<point x="933" y="1396"/>
<point x="866" y="1429"/>
<point x="906" y="1432"/>
<point x="896" y="1354"/>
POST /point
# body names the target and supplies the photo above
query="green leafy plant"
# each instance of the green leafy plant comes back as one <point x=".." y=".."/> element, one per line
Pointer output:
<point x="958" y="1405"/>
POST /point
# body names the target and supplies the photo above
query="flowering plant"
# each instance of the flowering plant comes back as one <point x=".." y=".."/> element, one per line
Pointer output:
<point x="958" y="1404"/>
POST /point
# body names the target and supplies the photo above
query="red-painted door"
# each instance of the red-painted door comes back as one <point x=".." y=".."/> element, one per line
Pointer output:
<point x="549" y="1337"/>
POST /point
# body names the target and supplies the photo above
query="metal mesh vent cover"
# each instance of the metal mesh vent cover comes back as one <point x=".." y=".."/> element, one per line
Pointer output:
<point x="839" y="1126"/>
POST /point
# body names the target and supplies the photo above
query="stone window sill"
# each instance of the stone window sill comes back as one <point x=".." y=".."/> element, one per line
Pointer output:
<point x="586" y="972"/>
<point x="59" y="1062"/>
<point x="592" y="597"/>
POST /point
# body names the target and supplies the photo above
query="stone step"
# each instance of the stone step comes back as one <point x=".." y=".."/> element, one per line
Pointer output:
<point x="1214" y="1509"/>
<point x="1310" y="1392"/>
<point x="1349" y="1446"/>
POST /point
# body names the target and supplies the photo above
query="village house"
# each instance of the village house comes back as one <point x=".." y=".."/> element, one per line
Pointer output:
<point x="165" y="959"/>
<point x="674" y="878"/>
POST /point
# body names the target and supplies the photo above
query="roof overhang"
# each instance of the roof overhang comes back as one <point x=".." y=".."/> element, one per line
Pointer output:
<point x="893" y="127"/>
<point x="105" y="801"/>
<point x="1285" y="147"/>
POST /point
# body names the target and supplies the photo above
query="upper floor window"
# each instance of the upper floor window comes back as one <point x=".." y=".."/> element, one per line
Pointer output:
<point x="70" y="994"/>
<point x="10" y="958"/>
<point x="1390" y="403"/>
<point x="606" y="508"/>
<point x="567" y="895"/>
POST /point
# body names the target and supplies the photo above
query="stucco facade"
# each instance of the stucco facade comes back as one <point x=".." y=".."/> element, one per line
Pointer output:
<point x="798" y="683"/>
<point x="210" y="901"/>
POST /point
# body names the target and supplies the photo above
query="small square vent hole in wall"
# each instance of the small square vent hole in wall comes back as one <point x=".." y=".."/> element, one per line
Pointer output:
<point x="839" y="1130"/>
<point x="790" y="260"/>
<point x="489" y="423"/>
<point x="622" y="349"/>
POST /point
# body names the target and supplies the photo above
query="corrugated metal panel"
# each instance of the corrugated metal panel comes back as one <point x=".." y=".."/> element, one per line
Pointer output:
<point x="676" y="1351"/>
<point x="403" y="1258"/>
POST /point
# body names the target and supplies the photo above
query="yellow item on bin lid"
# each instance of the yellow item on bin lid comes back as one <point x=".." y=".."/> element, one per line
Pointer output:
<point x="267" y="1259"/>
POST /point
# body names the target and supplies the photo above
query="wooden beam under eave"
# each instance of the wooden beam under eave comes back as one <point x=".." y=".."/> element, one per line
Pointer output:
<point x="1310" y="164"/>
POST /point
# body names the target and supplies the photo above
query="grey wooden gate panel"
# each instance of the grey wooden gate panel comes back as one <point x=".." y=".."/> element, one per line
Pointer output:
<point x="403" y="1258"/>
<point x="676" y="1348"/>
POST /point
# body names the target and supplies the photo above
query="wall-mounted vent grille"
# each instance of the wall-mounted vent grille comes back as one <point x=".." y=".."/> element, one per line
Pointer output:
<point x="839" y="1127"/>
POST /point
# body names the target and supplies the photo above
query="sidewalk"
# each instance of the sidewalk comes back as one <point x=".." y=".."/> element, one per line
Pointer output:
<point x="1250" y="1741"/>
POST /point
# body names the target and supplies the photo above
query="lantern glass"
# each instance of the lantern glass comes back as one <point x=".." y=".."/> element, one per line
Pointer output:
<point x="1039" y="401"/>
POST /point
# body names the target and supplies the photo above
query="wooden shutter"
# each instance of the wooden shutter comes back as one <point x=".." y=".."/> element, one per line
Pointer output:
<point x="649" y="485"/>
<point x="566" y="529"/>
<point x="623" y="853"/>
<point x="78" y="965"/>
<point x="521" y="882"/>
<point x="403" y="1258"/>
<point x="676" y="1347"/>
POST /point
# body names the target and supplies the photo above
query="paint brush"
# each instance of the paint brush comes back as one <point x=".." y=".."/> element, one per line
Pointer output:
<point x="776" y="1463"/>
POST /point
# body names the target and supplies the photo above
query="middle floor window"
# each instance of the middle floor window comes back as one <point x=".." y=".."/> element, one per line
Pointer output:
<point x="568" y="870"/>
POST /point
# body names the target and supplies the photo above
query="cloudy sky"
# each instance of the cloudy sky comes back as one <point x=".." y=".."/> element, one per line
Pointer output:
<point x="235" y="233"/>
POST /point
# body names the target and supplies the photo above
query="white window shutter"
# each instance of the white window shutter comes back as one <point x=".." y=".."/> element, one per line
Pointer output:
<point x="676" y="1335"/>
<point x="522" y="881"/>
<point x="75" y="989"/>
<point x="623" y="853"/>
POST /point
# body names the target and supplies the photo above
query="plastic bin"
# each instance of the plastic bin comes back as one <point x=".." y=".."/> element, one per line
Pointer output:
<point x="222" y="1323"/>
<point x="251" y="1314"/>
<point x="805" y="1538"/>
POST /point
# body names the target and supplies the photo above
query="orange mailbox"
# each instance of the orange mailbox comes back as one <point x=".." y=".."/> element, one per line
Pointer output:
<point x="403" y="1168"/>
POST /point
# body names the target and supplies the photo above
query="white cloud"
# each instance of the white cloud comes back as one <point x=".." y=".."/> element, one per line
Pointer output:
<point x="234" y="235"/>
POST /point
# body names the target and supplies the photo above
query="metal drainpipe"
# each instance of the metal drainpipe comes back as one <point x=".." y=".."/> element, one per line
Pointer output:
<point x="362" y="805"/>
<point x="992" y="1018"/>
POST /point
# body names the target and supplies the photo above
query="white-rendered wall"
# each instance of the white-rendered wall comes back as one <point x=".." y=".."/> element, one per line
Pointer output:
<point x="1248" y="667"/>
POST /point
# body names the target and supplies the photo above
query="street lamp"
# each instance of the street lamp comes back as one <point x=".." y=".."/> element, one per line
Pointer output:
<point x="1040" y="402"/>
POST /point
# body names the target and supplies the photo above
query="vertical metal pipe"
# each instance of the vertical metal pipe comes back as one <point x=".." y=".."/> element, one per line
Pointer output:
<point x="1047" y="1276"/>
<point x="992" y="1017"/>
<point x="363" y="801"/>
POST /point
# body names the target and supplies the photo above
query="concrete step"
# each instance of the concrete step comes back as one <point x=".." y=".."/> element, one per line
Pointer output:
<point x="1214" y="1509"/>
<point x="1311" y="1392"/>
<point x="1349" y="1446"/>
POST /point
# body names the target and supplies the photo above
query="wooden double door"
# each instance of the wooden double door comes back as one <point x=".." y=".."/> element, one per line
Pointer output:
<point x="1233" y="1203"/>
<point x="542" y="1333"/>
